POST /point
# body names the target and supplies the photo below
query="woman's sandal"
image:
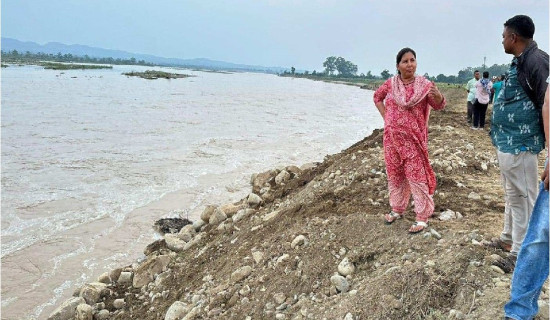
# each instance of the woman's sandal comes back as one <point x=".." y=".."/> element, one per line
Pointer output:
<point x="418" y="226"/>
<point x="392" y="216"/>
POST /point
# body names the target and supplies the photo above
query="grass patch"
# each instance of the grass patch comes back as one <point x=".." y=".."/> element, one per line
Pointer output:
<point x="153" y="74"/>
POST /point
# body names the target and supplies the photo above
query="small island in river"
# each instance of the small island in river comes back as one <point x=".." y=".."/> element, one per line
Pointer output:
<point x="153" y="74"/>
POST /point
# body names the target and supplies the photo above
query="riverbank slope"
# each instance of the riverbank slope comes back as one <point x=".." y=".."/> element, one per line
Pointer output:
<point x="310" y="243"/>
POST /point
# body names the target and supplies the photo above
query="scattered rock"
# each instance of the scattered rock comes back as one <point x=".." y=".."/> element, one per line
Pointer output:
<point x="241" y="214"/>
<point x="271" y="216"/>
<point x="67" y="310"/>
<point x="435" y="233"/>
<point x="258" y="257"/>
<point x="241" y="273"/>
<point x="92" y="292"/>
<point x="230" y="209"/>
<point x="147" y="271"/>
<point x="474" y="196"/>
<point x="217" y="216"/>
<point x="497" y="269"/>
<point x="176" y="311"/>
<point x="346" y="267"/>
<point x="298" y="241"/>
<point x="340" y="283"/>
<point x="84" y="312"/>
<point x="119" y="303"/>
<point x="254" y="200"/>
<point x="174" y="243"/>
<point x="282" y="177"/>
<point x="102" y="315"/>
<point x="207" y="212"/>
<point x="187" y="233"/>
<point x="154" y="247"/>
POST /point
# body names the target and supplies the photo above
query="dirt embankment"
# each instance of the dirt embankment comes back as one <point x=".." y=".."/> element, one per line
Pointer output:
<point x="313" y="245"/>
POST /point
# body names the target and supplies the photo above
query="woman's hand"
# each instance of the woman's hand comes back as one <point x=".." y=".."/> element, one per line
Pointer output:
<point x="435" y="94"/>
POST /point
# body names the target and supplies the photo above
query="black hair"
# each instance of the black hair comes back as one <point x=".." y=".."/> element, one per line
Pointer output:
<point x="502" y="76"/>
<point x="521" y="25"/>
<point x="485" y="74"/>
<point x="476" y="71"/>
<point x="400" y="55"/>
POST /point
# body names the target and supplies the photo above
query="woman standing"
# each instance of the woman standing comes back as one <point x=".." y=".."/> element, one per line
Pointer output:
<point x="483" y="91"/>
<point x="404" y="102"/>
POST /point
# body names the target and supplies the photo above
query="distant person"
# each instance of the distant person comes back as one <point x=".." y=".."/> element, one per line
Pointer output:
<point x="491" y="97"/>
<point x="517" y="133"/>
<point x="497" y="85"/>
<point x="471" y="88"/>
<point x="404" y="102"/>
<point x="483" y="92"/>
<point x="532" y="264"/>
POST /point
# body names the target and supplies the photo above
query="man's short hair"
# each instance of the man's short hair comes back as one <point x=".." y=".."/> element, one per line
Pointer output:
<point x="521" y="25"/>
<point x="476" y="71"/>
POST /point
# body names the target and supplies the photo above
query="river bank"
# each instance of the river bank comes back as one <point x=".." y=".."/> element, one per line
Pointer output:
<point x="310" y="243"/>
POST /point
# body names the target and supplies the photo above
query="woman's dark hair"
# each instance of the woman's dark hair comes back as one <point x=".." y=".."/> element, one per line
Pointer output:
<point x="521" y="25"/>
<point x="400" y="55"/>
<point x="485" y="74"/>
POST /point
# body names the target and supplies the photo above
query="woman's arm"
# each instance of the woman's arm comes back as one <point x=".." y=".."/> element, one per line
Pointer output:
<point x="379" y="96"/>
<point x="381" y="108"/>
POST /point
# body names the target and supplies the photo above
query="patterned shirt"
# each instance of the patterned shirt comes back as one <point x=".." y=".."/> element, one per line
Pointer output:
<point x="516" y="122"/>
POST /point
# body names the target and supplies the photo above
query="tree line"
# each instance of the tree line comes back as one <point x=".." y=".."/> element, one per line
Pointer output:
<point x="347" y="69"/>
<point x="15" y="56"/>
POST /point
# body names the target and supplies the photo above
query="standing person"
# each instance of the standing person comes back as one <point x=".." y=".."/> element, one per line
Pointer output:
<point x="404" y="102"/>
<point x="532" y="265"/>
<point x="497" y="86"/>
<point x="517" y="133"/>
<point x="483" y="91"/>
<point x="471" y="88"/>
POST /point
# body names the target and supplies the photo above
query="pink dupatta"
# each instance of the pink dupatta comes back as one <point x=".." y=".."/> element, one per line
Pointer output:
<point x="421" y="87"/>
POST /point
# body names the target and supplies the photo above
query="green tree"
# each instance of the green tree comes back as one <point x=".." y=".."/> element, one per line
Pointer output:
<point x="330" y="65"/>
<point x="292" y="70"/>
<point x="385" y="74"/>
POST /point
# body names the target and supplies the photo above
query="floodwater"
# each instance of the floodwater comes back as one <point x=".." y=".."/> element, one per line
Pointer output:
<point x="91" y="158"/>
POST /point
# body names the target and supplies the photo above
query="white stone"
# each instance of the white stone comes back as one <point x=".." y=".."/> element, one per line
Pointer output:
<point x="176" y="311"/>
<point x="146" y="272"/>
<point x="67" y="310"/>
<point x="340" y="283"/>
<point x="207" y="212"/>
<point x="198" y="225"/>
<point x="173" y="242"/>
<point x="254" y="200"/>
<point x="119" y="303"/>
<point x="349" y="316"/>
<point x="187" y="233"/>
<point x="474" y="196"/>
<point x="217" y="216"/>
<point x="258" y="256"/>
<point x="271" y="216"/>
<point x="298" y="241"/>
<point x="241" y="273"/>
<point x="346" y="267"/>
<point x="84" y="312"/>
<point x="103" y="315"/>
<point x="282" y="177"/>
<point x="92" y="292"/>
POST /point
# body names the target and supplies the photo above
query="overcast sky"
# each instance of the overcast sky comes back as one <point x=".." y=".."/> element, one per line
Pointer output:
<point x="447" y="35"/>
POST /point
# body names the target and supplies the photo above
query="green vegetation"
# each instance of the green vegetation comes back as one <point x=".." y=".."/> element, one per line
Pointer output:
<point x="4" y="65"/>
<point x="32" y="58"/>
<point x="71" y="66"/>
<point x="154" y="74"/>
<point x="347" y="73"/>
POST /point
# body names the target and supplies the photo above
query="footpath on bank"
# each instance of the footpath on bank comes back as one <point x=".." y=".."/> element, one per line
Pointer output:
<point x="311" y="243"/>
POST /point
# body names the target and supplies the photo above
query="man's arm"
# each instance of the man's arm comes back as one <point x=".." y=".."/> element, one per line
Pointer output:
<point x="545" y="115"/>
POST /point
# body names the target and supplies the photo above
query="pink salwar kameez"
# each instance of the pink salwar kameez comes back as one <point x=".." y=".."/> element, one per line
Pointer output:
<point x="407" y="109"/>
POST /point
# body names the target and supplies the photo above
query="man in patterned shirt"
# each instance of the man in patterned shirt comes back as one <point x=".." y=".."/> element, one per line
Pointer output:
<point x="517" y="133"/>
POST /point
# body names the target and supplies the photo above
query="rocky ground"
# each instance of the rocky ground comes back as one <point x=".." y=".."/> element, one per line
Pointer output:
<point x="311" y="243"/>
